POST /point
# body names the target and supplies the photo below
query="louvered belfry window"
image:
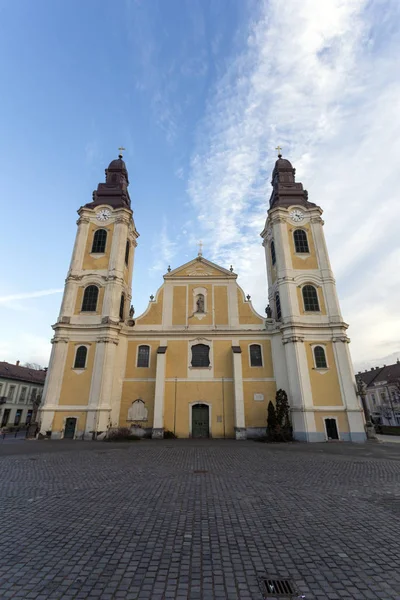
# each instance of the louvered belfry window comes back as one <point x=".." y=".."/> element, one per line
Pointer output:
<point x="273" y="254"/>
<point x="320" y="358"/>
<point x="200" y="355"/>
<point x="127" y="248"/>
<point x="90" y="297"/>
<point x="301" y="242"/>
<point x="99" y="241"/>
<point x="278" y="307"/>
<point x="310" y="297"/>
<point x="80" y="357"/>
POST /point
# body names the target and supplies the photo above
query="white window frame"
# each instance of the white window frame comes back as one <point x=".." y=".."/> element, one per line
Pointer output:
<point x="317" y="288"/>
<point x="262" y="355"/>
<point x="137" y="357"/>
<point x="13" y="387"/>
<point x="25" y="398"/>
<point x="78" y="345"/>
<point x="319" y="369"/>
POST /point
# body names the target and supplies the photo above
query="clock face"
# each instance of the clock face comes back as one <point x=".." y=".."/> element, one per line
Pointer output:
<point x="103" y="215"/>
<point x="296" y="215"/>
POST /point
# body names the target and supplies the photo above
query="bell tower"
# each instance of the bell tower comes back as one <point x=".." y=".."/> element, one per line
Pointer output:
<point x="94" y="308"/>
<point x="311" y="357"/>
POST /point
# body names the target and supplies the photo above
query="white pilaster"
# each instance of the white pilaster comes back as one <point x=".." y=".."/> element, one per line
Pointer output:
<point x="240" y="423"/>
<point x="53" y="383"/>
<point x="158" y="423"/>
<point x="99" y="404"/>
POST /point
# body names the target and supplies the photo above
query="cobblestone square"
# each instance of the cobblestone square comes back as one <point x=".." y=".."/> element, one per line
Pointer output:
<point x="198" y="520"/>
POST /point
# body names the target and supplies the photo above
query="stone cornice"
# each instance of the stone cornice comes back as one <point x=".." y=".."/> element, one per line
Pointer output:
<point x="56" y="340"/>
<point x="107" y="340"/>
<point x="291" y="339"/>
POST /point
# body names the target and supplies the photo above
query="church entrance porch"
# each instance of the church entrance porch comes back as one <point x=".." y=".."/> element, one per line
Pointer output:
<point x="69" y="430"/>
<point x="200" y="421"/>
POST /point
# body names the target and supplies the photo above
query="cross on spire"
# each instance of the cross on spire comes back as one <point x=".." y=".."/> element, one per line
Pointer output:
<point x="121" y="150"/>
<point x="200" y="248"/>
<point x="279" y="149"/>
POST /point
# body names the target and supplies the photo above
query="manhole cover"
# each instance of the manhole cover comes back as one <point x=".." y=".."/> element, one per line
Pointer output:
<point x="200" y="471"/>
<point x="278" y="588"/>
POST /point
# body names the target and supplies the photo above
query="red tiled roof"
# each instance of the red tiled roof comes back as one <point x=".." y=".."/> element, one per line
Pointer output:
<point x="9" y="371"/>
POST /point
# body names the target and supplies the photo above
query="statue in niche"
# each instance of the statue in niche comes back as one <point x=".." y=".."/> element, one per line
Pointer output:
<point x="200" y="303"/>
<point x="131" y="311"/>
<point x="138" y="411"/>
<point x="269" y="312"/>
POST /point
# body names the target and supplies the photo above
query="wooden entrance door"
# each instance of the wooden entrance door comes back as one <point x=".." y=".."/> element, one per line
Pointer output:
<point x="69" y="430"/>
<point x="200" y="421"/>
<point x="331" y="429"/>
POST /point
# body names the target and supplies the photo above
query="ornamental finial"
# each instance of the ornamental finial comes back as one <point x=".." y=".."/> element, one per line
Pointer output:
<point x="121" y="150"/>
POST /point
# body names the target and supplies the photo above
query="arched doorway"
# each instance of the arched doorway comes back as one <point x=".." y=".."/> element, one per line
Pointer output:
<point x="200" y="421"/>
<point x="69" y="431"/>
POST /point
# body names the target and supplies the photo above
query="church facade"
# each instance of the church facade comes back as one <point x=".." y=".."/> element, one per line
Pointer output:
<point x="200" y="361"/>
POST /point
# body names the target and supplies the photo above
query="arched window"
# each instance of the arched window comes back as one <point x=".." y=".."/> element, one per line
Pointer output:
<point x="80" y="358"/>
<point x="99" y="241"/>
<point x="200" y="355"/>
<point x="300" y="241"/>
<point x="310" y="298"/>
<point x="278" y="307"/>
<point x="89" y="303"/>
<point x="143" y="357"/>
<point x="273" y="255"/>
<point x="127" y="248"/>
<point x="121" y="307"/>
<point x="255" y="355"/>
<point x="320" y="358"/>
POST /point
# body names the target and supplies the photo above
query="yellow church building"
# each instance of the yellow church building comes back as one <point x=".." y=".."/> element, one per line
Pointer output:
<point x="200" y="361"/>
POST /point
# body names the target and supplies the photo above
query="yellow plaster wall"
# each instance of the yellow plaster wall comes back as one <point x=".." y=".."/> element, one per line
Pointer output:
<point x="343" y="424"/>
<point x="246" y="314"/>
<point x="256" y="411"/>
<point x="188" y="392"/>
<point x="267" y="369"/>
<point x="208" y="318"/>
<point x="75" y="386"/>
<point x="154" y="314"/>
<point x="223" y="363"/>
<point x="321" y="300"/>
<point x="221" y="304"/>
<point x="179" y="305"/>
<point x="59" y="420"/>
<point x="324" y="383"/>
<point x="132" y="371"/>
<point x="79" y="298"/>
<point x="311" y="261"/>
<point x="91" y="263"/>
<point x="177" y="358"/>
<point x="131" y="391"/>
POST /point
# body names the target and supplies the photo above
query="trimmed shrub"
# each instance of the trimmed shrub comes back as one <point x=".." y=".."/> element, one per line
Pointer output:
<point x="169" y="435"/>
<point x="121" y="434"/>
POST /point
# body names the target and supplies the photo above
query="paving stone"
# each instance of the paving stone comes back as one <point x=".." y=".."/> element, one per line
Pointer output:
<point x="105" y="522"/>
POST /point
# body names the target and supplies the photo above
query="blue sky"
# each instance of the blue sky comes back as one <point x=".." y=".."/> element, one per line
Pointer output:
<point x="199" y="92"/>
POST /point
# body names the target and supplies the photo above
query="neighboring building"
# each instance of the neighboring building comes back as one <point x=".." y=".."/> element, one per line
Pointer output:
<point x="19" y="388"/>
<point x="200" y="361"/>
<point x="383" y="393"/>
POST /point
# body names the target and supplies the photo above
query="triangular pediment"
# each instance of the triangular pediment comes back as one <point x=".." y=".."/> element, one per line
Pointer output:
<point x="200" y="267"/>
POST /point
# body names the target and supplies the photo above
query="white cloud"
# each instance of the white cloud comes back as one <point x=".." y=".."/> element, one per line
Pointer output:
<point x="25" y="347"/>
<point x="164" y="250"/>
<point x="8" y="300"/>
<point x="321" y="79"/>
